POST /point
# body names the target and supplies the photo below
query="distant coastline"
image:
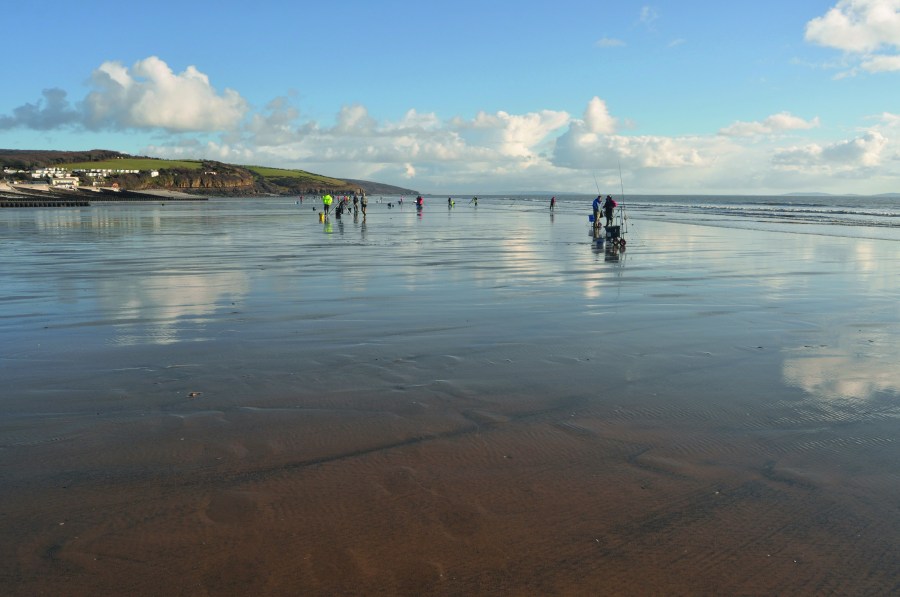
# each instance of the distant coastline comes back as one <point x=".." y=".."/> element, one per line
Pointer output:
<point x="97" y="170"/>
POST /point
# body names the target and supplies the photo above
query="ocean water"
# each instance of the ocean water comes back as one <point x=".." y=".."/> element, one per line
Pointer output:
<point x="851" y="216"/>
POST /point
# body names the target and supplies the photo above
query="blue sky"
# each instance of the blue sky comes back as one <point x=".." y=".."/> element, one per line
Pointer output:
<point x="475" y="97"/>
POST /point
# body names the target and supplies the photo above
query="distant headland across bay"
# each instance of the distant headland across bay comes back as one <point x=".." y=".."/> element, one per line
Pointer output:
<point x="97" y="171"/>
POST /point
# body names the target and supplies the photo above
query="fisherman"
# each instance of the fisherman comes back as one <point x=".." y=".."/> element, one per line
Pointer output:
<point x="552" y="203"/>
<point x="608" y="206"/>
<point x="449" y="202"/>
<point x="364" y="201"/>
<point x="596" y="206"/>
<point x="420" y="203"/>
<point x="355" y="205"/>
<point x="475" y="201"/>
<point x="326" y="203"/>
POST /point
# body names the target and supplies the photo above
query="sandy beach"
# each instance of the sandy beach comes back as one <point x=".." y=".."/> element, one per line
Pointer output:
<point x="232" y="398"/>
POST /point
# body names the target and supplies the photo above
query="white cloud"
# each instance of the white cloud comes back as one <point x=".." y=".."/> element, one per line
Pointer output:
<point x="597" y="118"/>
<point x="549" y="149"/>
<point x="889" y="119"/>
<point x="772" y="125"/>
<point x="878" y="64"/>
<point x="418" y="145"/>
<point x="52" y="112"/>
<point x="579" y="148"/>
<point x="857" y="26"/>
<point x="862" y="152"/>
<point x="539" y="149"/>
<point x="861" y="28"/>
<point x="275" y="125"/>
<point x="355" y="120"/>
<point x="150" y="95"/>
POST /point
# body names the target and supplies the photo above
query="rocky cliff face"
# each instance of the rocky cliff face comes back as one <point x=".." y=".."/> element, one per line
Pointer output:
<point x="210" y="177"/>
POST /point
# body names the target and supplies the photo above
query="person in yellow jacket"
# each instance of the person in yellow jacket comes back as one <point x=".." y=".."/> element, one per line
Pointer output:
<point x="326" y="203"/>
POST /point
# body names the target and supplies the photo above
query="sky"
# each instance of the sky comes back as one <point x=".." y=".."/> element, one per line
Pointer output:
<point x="474" y="97"/>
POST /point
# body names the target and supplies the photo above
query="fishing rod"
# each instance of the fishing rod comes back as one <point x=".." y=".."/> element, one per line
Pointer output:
<point x="622" y="186"/>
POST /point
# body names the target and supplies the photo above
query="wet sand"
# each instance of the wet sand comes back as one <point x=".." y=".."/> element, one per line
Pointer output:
<point x="224" y="399"/>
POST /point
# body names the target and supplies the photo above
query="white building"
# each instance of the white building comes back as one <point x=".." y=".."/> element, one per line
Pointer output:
<point x="64" y="182"/>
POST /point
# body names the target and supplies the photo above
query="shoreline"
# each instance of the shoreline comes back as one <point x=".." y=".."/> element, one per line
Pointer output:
<point x="42" y="193"/>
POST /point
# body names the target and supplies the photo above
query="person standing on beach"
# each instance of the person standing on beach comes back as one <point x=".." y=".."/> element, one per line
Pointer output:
<point x="552" y="203"/>
<point x="326" y="203"/>
<point x="596" y="206"/>
<point x="363" y="203"/>
<point x="355" y="205"/>
<point x="420" y="203"/>
<point x="608" y="206"/>
<point x="475" y="201"/>
<point x="449" y="201"/>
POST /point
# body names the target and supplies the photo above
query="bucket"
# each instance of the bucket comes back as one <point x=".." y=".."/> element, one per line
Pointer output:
<point x="321" y="217"/>
<point x="591" y="218"/>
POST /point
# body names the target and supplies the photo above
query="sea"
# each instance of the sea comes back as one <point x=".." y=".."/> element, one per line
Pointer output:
<point x="851" y="216"/>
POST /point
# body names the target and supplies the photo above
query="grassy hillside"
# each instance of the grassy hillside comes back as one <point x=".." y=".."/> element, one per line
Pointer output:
<point x="134" y="164"/>
<point x="275" y="174"/>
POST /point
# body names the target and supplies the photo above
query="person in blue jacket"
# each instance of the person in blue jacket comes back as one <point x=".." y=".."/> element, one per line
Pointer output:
<point x="596" y="206"/>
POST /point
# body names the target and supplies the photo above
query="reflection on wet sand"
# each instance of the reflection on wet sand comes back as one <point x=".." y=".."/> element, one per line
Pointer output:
<point x="230" y="399"/>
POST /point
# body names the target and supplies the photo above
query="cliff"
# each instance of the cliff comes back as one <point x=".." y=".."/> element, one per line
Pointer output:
<point x="194" y="176"/>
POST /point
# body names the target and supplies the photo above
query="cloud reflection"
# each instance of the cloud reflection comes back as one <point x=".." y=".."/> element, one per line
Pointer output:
<point x="862" y="365"/>
<point x="165" y="309"/>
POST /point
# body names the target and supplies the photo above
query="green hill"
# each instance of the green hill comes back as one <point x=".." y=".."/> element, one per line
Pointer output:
<point x="194" y="176"/>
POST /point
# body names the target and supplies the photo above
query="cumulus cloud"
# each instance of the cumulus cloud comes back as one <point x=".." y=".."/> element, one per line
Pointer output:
<point x="490" y="150"/>
<point x="862" y="28"/>
<point x="52" y="112"/>
<point x="512" y="135"/>
<point x="355" y="119"/>
<point x="534" y="150"/>
<point x="772" y="125"/>
<point x="857" y="25"/>
<point x="147" y="96"/>
<point x="151" y="95"/>
<point x="861" y="152"/>
<point x="597" y="118"/>
<point x="591" y="143"/>
<point x="417" y="145"/>
<point x="275" y="124"/>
